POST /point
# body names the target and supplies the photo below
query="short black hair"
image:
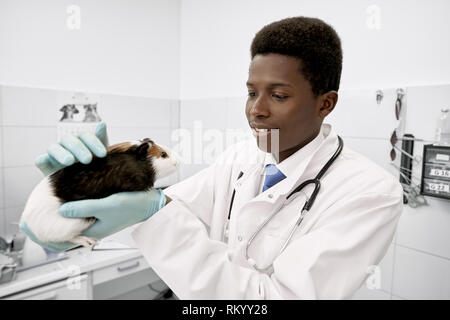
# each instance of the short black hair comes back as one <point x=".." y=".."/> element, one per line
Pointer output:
<point x="311" y="40"/>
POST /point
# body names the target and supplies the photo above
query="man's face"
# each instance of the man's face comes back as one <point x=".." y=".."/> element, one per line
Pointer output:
<point x="279" y="97"/>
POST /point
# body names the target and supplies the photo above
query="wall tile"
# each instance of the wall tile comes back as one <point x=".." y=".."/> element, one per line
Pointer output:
<point x="424" y="105"/>
<point x="175" y="113"/>
<point x="2" y="223"/>
<point x="135" y="111"/>
<point x="29" y="106"/>
<point x="12" y="220"/>
<point x="121" y="134"/>
<point x="236" y="117"/>
<point x="373" y="120"/>
<point x="206" y="113"/>
<point x="1" y="129"/>
<point x="187" y="170"/>
<point x="19" y="182"/>
<point x="2" y="201"/>
<point x="426" y="228"/>
<point x="420" y="276"/>
<point x="386" y="269"/>
<point x="24" y="144"/>
<point x="1" y="139"/>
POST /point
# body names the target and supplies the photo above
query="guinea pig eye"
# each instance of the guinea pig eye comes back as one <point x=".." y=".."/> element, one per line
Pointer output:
<point x="164" y="155"/>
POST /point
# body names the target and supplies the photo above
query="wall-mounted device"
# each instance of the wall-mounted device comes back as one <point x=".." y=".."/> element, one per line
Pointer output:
<point x="436" y="171"/>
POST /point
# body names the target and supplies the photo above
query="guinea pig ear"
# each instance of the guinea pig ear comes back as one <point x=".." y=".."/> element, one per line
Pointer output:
<point x="142" y="149"/>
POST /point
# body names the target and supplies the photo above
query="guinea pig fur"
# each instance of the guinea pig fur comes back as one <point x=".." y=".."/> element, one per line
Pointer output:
<point x="128" y="166"/>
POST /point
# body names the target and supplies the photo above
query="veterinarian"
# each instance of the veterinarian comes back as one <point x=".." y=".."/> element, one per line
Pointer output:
<point x="236" y="230"/>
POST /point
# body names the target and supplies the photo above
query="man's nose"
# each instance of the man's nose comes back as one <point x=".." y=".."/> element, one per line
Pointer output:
<point x="260" y="108"/>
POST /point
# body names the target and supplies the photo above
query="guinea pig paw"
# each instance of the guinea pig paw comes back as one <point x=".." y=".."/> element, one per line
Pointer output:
<point x="84" y="241"/>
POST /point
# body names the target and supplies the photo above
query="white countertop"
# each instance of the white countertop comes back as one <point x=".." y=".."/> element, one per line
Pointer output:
<point x="83" y="258"/>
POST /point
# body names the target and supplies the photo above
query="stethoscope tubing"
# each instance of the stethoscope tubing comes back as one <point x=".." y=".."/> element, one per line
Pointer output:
<point x="307" y="206"/>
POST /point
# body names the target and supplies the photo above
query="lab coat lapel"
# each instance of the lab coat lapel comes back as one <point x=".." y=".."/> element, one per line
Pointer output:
<point x="247" y="187"/>
<point x="305" y="170"/>
<point x="251" y="211"/>
<point x="310" y="167"/>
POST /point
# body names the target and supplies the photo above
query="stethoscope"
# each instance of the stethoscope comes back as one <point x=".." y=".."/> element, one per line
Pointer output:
<point x="307" y="206"/>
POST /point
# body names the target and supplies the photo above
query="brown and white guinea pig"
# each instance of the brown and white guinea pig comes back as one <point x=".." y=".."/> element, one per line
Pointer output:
<point x="128" y="166"/>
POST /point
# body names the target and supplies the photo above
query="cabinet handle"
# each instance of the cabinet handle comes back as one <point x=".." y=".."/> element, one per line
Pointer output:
<point x="134" y="265"/>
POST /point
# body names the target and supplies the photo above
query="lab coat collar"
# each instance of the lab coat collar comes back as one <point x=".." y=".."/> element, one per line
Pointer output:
<point x="321" y="154"/>
<point x="289" y="165"/>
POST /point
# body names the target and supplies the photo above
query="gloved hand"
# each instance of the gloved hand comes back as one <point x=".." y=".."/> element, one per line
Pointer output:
<point x="113" y="213"/>
<point x="70" y="149"/>
<point x="73" y="148"/>
<point x="53" y="246"/>
<point x="116" y="212"/>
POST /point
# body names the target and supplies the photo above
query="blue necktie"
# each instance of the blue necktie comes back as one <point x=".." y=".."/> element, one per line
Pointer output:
<point x="273" y="176"/>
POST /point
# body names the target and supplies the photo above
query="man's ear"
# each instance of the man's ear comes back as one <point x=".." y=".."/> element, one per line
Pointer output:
<point x="327" y="103"/>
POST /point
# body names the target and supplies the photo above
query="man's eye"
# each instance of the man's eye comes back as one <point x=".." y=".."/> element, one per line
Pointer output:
<point x="251" y="94"/>
<point x="280" y="97"/>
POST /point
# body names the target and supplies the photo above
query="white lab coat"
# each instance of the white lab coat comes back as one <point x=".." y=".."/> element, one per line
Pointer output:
<point x="348" y="229"/>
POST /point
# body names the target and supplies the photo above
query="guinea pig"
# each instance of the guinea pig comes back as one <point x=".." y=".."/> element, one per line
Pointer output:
<point x="128" y="166"/>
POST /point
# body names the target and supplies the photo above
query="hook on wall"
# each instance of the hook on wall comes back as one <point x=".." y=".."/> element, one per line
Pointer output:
<point x="379" y="96"/>
<point x="400" y="93"/>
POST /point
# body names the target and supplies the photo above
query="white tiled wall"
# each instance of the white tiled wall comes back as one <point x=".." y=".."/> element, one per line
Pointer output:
<point x="417" y="264"/>
<point x="426" y="228"/>
<point x="2" y="205"/>
<point x="420" y="254"/>
<point x="220" y="118"/>
<point x="22" y="144"/>
<point x="423" y="234"/>
<point x="29" y="107"/>
<point x="2" y="201"/>
<point x="420" y="275"/>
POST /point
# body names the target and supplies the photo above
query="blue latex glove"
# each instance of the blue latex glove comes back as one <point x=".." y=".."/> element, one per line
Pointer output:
<point x="53" y="246"/>
<point x="69" y="150"/>
<point x="116" y="212"/>
<point x="113" y="213"/>
<point x="73" y="148"/>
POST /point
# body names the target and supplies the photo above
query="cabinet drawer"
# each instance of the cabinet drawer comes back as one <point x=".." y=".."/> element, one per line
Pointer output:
<point x="436" y="171"/>
<point x="69" y="289"/>
<point x="119" y="270"/>
<point x="436" y="188"/>
<point x="437" y="154"/>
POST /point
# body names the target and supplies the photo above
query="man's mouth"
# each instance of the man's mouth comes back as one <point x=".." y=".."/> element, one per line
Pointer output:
<point x="262" y="131"/>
